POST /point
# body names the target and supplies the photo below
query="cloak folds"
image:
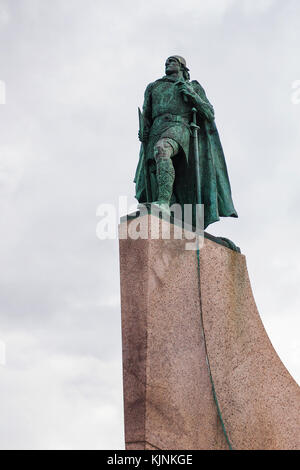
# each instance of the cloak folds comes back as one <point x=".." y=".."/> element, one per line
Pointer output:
<point x="215" y="185"/>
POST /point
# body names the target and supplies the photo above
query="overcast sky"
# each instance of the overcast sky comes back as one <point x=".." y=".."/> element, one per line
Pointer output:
<point x="75" y="72"/>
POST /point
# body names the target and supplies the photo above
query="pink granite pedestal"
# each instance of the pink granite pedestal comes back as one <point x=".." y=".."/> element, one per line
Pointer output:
<point x="181" y="334"/>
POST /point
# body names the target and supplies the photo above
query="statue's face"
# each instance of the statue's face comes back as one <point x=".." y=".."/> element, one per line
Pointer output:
<point x="172" y="66"/>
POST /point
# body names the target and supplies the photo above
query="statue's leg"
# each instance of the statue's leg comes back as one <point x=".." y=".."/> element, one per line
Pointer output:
<point x="164" y="150"/>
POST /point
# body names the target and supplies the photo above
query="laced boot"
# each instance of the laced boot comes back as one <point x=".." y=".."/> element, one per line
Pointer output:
<point x="165" y="175"/>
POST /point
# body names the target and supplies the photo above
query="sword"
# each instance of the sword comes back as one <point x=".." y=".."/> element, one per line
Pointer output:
<point x="195" y="129"/>
<point x="146" y="169"/>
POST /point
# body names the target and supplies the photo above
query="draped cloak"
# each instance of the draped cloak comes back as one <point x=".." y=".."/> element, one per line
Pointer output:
<point x="167" y="114"/>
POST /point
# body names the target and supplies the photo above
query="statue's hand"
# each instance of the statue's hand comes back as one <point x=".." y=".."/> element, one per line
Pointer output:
<point x="187" y="91"/>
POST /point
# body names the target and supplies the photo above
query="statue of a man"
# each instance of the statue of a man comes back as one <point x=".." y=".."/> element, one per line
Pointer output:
<point x="166" y="170"/>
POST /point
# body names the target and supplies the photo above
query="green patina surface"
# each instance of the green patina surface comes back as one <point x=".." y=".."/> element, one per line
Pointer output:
<point x="167" y="114"/>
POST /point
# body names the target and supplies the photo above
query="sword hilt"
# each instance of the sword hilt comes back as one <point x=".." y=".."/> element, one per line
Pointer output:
<point x="193" y="124"/>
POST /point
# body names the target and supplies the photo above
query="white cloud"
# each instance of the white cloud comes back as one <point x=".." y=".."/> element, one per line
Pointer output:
<point x="256" y="6"/>
<point x="4" y="15"/>
<point x="202" y="11"/>
<point x="58" y="401"/>
<point x="12" y="165"/>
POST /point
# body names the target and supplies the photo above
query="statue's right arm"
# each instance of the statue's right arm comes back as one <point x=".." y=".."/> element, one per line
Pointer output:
<point x="147" y="112"/>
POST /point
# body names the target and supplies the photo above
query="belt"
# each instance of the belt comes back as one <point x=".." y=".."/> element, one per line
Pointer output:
<point x="172" y="118"/>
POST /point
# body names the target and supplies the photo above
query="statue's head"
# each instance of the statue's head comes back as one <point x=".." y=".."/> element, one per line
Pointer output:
<point x="176" y="64"/>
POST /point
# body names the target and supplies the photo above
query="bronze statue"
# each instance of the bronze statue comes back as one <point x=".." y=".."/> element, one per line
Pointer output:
<point x="171" y="168"/>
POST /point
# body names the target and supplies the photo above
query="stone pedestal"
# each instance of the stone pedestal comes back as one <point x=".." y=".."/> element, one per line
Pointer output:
<point x="185" y="335"/>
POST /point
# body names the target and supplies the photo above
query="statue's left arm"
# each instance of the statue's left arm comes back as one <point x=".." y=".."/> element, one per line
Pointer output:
<point x="194" y="91"/>
<point x="201" y="102"/>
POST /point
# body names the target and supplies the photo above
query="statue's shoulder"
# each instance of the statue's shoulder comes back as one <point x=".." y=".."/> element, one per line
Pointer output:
<point x="152" y="85"/>
<point x="197" y="87"/>
<point x="200" y="91"/>
<point x="149" y="86"/>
